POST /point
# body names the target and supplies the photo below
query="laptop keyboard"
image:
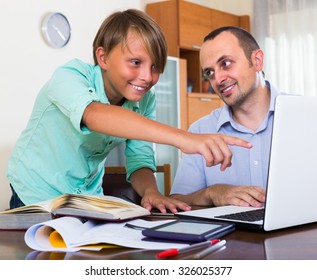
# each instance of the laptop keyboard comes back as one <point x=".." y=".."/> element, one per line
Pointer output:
<point x="248" y="216"/>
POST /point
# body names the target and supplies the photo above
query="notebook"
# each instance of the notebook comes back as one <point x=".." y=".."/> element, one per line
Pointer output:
<point x="292" y="177"/>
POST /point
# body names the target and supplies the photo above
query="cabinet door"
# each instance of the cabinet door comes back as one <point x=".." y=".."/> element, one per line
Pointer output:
<point x="220" y="18"/>
<point x="200" y="105"/>
<point x="165" y="13"/>
<point x="167" y="111"/>
<point x="194" y="24"/>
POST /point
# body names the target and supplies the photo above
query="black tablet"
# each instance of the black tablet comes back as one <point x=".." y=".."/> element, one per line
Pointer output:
<point x="189" y="230"/>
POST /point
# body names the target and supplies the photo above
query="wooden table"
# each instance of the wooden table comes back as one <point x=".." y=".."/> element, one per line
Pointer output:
<point x="297" y="243"/>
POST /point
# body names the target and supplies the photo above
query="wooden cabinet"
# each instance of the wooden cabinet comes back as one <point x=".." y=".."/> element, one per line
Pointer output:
<point x="194" y="24"/>
<point x="200" y="105"/>
<point x="185" y="25"/>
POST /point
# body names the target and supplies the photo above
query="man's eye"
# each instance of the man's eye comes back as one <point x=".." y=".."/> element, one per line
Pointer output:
<point x="226" y="63"/>
<point x="208" y="74"/>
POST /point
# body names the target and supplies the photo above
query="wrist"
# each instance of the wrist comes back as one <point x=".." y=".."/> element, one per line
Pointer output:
<point x="206" y="197"/>
<point x="150" y="191"/>
<point x="178" y="138"/>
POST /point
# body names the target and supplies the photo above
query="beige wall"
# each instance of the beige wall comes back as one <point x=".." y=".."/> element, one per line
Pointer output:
<point x="27" y="62"/>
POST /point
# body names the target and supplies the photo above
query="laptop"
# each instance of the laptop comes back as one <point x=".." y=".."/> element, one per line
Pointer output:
<point x="292" y="177"/>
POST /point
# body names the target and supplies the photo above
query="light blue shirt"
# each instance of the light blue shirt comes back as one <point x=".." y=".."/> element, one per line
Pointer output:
<point x="56" y="154"/>
<point x="249" y="166"/>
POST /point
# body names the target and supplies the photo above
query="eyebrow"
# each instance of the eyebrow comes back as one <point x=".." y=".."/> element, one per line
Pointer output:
<point x="206" y="69"/>
<point x="221" y="58"/>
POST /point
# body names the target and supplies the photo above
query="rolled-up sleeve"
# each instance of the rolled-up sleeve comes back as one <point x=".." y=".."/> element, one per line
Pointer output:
<point x="140" y="154"/>
<point x="72" y="91"/>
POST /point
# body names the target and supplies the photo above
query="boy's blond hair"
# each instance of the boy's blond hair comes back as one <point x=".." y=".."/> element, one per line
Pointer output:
<point x="115" y="29"/>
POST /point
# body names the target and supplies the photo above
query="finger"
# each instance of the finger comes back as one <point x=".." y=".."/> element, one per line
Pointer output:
<point x="211" y="153"/>
<point x="243" y="203"/>
<point x="160" y="206"/>
<point x="217" y="151"/>
<point x="221" y="154"/>
<point x="235" y="141"/>
<point x="147" y="205"/>
<point x="255" y="203"/>
<point x="239" y="202"/>
<point x="258" y="193"/>
<point x="174" y="205"/>
<point x="183" y="206"/>
<point x="249" y="199"/>
<point x="224" y="166"/>
<point x="226" y="156"/>
<point x="171" y="207"/>
<point x="208" y="156"/>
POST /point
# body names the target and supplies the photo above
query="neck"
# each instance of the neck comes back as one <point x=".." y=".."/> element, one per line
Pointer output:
<point x="254" y="110"/>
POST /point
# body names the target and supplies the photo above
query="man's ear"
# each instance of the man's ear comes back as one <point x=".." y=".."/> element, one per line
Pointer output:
<point x="258" y="59"/>
<point x="101" y="58"/>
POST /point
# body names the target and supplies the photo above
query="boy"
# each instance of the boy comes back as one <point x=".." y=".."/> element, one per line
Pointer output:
<point x="85" y="110"/>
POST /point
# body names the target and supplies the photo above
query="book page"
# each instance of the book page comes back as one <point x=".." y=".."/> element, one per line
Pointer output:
<point x="119" y="234"/>
<point x="37" y="236"/>
<point x="76" y="234"/>
<point x="97" y="207"/>
<point x="41" y="207"/>
<point x="91" y="203"/>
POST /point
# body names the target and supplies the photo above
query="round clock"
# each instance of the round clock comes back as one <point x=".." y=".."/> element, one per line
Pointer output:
<point x="56" y="30"/>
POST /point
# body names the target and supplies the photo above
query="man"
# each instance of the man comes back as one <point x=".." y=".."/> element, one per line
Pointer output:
<point x="233" y="61"/>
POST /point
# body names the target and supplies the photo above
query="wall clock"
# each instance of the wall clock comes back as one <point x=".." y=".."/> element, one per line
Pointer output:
<point x="56" y="30"/>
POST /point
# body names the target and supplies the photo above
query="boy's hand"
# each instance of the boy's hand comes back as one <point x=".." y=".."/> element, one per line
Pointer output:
<point x="213" y="147"/>
<point x="154" y="199"/>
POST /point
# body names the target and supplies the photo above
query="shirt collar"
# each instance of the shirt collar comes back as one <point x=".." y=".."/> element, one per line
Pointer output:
<point x="134" y="106"/>
<point x="104" y="99"/>
<point x="226" y="114"/>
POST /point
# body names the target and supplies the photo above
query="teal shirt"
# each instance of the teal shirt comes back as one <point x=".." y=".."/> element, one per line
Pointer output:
<point x="55" y="154"/>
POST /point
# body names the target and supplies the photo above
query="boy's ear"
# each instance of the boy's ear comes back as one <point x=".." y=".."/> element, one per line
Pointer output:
<point x="101" y="58"/>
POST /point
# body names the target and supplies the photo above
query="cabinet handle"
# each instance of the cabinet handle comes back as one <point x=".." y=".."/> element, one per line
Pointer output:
<point x="196" y="47"/>
<point x="205" y="99"/>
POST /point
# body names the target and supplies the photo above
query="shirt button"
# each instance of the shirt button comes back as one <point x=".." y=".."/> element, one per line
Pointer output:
<point x="255" y="162"/>
<point x="78" y="191"/>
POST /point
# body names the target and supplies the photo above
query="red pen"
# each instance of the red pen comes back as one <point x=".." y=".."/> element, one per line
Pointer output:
<point x="175" y="252"/>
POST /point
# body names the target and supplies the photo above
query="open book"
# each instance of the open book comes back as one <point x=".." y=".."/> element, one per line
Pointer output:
<point x="70" y="234"/>
<point x="108" y="208"/>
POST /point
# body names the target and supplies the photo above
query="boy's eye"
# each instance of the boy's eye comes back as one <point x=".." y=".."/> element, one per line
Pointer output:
<point x="136" y="62"/>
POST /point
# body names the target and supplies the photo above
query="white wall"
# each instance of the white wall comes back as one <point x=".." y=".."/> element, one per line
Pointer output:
<point x="27" y="62"/>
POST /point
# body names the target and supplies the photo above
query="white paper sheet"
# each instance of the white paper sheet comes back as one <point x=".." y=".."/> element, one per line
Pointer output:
<point x="75" y="233"/>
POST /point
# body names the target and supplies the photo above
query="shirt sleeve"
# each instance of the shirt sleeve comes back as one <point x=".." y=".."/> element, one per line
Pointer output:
<point x="190" y="175"/>
<point x="140" y="154"/>
<point x="71" y="89"/>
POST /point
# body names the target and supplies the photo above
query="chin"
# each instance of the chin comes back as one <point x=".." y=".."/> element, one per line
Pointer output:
<point x="135" y="97"/>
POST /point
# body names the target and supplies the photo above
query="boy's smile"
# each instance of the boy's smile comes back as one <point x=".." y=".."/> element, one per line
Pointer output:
<point x="128" y="71"/>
